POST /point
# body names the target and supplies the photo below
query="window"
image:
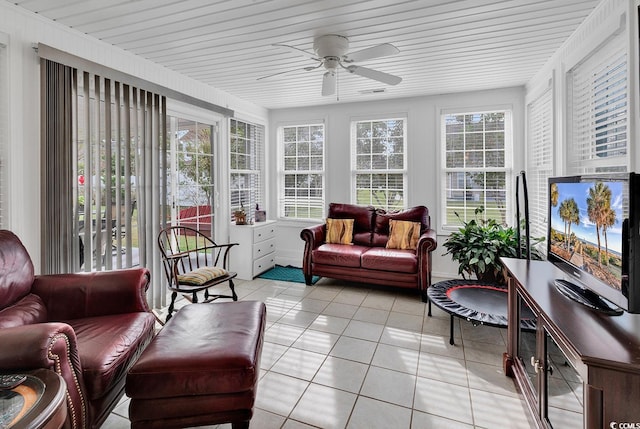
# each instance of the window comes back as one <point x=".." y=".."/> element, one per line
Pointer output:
<point x="378" y="163"/>
<point x="539" y="160"/>
<point x="477" y="166"/>
<point x="246" y="166"/>
<point x="192" y="178"/>
<point x="598" y="111"/>
<point x="302" y="171"/>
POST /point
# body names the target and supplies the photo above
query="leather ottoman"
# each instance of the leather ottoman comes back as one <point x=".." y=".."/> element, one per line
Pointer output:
<point x="200" y="369"/>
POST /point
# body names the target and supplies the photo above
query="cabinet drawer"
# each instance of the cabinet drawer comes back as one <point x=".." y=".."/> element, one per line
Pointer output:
<point x="264" y="233"/>
<point x="264" y="248"/>
<point x="263" y="264"/>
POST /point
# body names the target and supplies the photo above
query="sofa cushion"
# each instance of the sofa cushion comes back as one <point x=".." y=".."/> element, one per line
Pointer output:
<point x="381" y="228"/>
<point x="380" y="258"/>
<point x="27" y="311"/>
<point x="403" y="234"/>
<point x="362" y="220"/>
<point x="108" y="346"/>
<point x="338" y="254"/>
<point x="339" y="231"/>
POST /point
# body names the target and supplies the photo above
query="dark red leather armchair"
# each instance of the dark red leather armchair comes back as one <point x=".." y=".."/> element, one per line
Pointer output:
<point x="90" y="328"/>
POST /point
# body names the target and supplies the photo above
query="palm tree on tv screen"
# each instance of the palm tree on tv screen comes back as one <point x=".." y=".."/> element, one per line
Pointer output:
<point x="598" y="209"/>
<point x="570" y="214"/>
<point x="609" y="220"/>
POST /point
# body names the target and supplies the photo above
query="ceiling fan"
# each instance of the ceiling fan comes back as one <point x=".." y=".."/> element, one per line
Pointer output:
<point x="332" y="53"/>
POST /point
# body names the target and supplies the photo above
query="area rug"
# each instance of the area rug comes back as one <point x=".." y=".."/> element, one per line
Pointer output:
<point x="286" y="274"/>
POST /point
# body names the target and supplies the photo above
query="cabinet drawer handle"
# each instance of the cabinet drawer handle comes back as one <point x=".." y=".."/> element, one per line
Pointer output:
<point x="539" y="367"/>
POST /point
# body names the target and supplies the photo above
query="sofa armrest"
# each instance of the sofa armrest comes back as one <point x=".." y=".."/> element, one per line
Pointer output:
<point x="80" y="295"/>
<point x="313" y="237"/>
<point x="427" y="243"/>
<point x="51" y="346"/>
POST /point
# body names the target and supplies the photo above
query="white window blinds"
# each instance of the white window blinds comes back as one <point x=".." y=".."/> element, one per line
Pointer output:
<point x="539" y="159"/>
<point x="246" y="166"/>
<point x="598" y="111"/>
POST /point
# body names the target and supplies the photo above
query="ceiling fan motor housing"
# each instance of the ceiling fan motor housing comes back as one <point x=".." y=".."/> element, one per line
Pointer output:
<point x="331" y="45"/>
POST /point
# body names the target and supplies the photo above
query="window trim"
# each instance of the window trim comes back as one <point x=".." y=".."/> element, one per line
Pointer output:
<point x="442" y="228"/>
<point x="282" y="172"/>
<point x="353" y="162"/>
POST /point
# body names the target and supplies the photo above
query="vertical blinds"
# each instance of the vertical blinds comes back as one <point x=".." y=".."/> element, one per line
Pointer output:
<point x="598" y="108"/>
<point x="103" y="150"/>
<point x="539" y="159"/>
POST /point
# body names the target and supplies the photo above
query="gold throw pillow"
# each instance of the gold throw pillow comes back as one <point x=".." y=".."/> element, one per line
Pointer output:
<point x="339" y="231"/>
<point x="403" y="234"/>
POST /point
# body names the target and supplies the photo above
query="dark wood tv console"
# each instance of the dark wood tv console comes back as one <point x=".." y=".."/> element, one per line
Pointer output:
<point x="579" y="367"/>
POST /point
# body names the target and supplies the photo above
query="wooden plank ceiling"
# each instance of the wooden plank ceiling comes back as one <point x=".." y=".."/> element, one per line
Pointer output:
<point x="445" y="46"/>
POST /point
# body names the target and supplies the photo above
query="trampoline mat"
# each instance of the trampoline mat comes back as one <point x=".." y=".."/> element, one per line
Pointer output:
<point x="484" y="303"/>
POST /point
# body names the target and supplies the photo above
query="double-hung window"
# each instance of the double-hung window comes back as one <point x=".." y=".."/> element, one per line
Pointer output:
<point x="302" y="171"/>
<point x="246" y="166"/>
<point x="598" y="92"/>
<point x="379" y="163"/>
<point x="476" y="161"/>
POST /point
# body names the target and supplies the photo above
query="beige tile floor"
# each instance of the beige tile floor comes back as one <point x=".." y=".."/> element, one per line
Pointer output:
<point x="344" y="355"/>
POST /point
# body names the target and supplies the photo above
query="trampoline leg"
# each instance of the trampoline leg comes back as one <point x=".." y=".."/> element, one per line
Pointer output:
<point x="451" y="332"/>
<point x="429" y="307"/>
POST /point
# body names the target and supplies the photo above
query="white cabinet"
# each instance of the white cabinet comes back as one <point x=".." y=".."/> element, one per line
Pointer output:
<point x="256" y="252"/>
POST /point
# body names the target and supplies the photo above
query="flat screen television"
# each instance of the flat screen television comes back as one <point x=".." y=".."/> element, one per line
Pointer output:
<point x="593" y="238"/>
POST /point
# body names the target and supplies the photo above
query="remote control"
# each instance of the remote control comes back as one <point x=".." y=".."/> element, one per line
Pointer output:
<point x="9" y="381"/>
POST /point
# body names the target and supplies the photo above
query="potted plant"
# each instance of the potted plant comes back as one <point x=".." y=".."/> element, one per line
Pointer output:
<point x="478" y="245"/>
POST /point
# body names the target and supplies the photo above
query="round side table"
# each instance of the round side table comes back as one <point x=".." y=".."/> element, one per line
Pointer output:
<point x="39" y="402"/>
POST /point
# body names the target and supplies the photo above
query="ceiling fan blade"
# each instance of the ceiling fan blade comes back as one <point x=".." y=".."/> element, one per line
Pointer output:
<point x="377" y="51"/>
<point x="289" y="71"/>
<point x="299" y="51"/>
<point x="387" y="78"/>
<point x="329" y="83"/>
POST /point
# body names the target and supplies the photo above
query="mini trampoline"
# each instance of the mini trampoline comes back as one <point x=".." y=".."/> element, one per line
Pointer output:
<point x="478" y="302"/>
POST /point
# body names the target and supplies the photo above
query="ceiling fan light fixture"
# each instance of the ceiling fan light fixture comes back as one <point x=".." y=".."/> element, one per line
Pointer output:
<point x="329" y="82"/>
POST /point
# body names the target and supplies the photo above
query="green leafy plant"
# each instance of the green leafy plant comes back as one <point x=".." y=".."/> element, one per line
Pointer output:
<point x="479" y="243"/>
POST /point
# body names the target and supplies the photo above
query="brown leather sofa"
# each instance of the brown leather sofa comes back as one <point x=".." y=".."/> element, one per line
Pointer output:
<point x="367" y="259"/>
<point x="90" y="328"/>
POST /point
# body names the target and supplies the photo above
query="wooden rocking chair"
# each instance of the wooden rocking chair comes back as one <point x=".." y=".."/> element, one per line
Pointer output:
<point x="193" y="263"/>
